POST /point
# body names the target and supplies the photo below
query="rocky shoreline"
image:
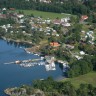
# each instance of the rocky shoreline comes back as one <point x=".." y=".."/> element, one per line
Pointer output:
<point x="15" y="91"/>
<point x="22" y="92"/>
<point x="33" y="50"/>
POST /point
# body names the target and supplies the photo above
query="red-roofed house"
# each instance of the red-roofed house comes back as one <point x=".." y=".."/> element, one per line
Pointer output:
<point x="84" y="17"/>
<point x="54" y="44"/>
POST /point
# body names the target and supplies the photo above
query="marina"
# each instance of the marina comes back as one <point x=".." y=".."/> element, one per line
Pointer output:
<point x="24" y="61"/>
<point x="31" y="64"/>
<point x="12" y="74"/>
<point x="47" y="61"/>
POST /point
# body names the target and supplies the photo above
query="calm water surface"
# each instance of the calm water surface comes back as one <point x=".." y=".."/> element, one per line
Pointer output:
<point x="13" y="75"/>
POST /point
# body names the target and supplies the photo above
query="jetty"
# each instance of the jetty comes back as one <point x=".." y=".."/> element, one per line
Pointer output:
<point x="64" y="64"/>
<point x="50" y="67"/>
<point x="50" y="64"/>
<point x="24" y="61"/>
<point x="9" y="63"/>
<point x="47" y="61"/>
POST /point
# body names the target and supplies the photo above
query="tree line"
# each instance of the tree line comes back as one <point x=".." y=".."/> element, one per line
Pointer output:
<point x="83" y="66"/>
<point x="54" y="88"/>
<point x="69" y="6"/>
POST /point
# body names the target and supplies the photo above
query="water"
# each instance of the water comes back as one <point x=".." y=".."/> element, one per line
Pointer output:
<point x="13" y="75"/>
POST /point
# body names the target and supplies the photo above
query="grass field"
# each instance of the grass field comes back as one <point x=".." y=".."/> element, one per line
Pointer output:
<point x="45" y="15"/>
<point x="89" y="78"/>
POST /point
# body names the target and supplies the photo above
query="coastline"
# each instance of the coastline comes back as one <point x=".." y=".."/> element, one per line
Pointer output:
<point x="17" y="41"/>
<point x="31" y="50"/>
<point x="8" y="91"/>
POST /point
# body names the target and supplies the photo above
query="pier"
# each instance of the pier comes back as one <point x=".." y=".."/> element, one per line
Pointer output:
<point x="48" y="62"/>
<point x="28" y="63"/>
<point x="24" y="61"/>
<point x="65" y="65"/>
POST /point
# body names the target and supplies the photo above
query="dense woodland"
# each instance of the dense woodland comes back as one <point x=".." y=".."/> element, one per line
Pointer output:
<point x="77" y="7"/>
<point x="85" y="65"/>
<point x="69" y="6"/>
<point x="49" y="87"/>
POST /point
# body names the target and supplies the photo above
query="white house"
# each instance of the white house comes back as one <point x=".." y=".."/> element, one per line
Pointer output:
<point x="82" y="53"/>
<point x="66" y="24"/>
<point x="20" y="16"/>
<point x="65" y="19"/>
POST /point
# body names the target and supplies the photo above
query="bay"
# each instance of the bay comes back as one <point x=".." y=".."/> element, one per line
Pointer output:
<point x="12" y="75"/>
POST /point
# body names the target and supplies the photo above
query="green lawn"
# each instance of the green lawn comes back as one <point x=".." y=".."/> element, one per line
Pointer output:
<point x="89" y="78"/>
<point x="44" y="14"/>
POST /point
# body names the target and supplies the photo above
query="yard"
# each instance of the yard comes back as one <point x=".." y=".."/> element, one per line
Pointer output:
<point x="89" y="78"/>
<point x="45" y="14"/>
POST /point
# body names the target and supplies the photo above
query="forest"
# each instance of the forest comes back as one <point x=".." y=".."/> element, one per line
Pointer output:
<point x="68" y="6"/>
<point x="87" y="64"/>
<point x="49" y="87"/>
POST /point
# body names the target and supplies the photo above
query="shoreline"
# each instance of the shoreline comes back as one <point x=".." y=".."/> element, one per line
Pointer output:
<point x="30" y="50"/>
<point x="17" y="41"/>
<point x="8" y="90"/>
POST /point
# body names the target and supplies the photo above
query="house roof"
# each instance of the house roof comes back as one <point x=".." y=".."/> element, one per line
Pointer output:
<point x="84" y="17"/>
<point x="12" y="8"/>
<point x="55" y="44"/>
<point x="56" y="21"/>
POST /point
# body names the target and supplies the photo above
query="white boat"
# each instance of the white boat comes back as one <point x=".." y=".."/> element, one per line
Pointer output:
<point x="50" y="67"/>
<point x="36" y="54"/>
<point x="53" y="64"/>
<point x="20" y="47"/>
<point x="47" y="67"/>
<point x="42" y="58"/>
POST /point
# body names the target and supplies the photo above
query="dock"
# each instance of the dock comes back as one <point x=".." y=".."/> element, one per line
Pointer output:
<point x="65" y="65"/>
<point x="24" y="61"/>
<point x="48" y="63"/>
<point x="31" y="64"/>
<point x="9" y="63"/>
<point x="50" y="67"/>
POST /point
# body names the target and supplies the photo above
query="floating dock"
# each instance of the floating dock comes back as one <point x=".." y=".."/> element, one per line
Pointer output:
<point x="49" y="64"/>
<point x="49" y="67"/>
<point x="24" y="61"/>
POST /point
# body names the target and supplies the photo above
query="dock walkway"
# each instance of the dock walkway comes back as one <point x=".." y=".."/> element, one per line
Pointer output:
<point x="24" y="61"/>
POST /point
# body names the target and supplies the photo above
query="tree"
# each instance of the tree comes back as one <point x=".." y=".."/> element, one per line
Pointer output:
<point x="82" y="91"/>
<point x="68" y="89"/>
<point x="93" y="60"/>
<point x="80" y="67"/>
